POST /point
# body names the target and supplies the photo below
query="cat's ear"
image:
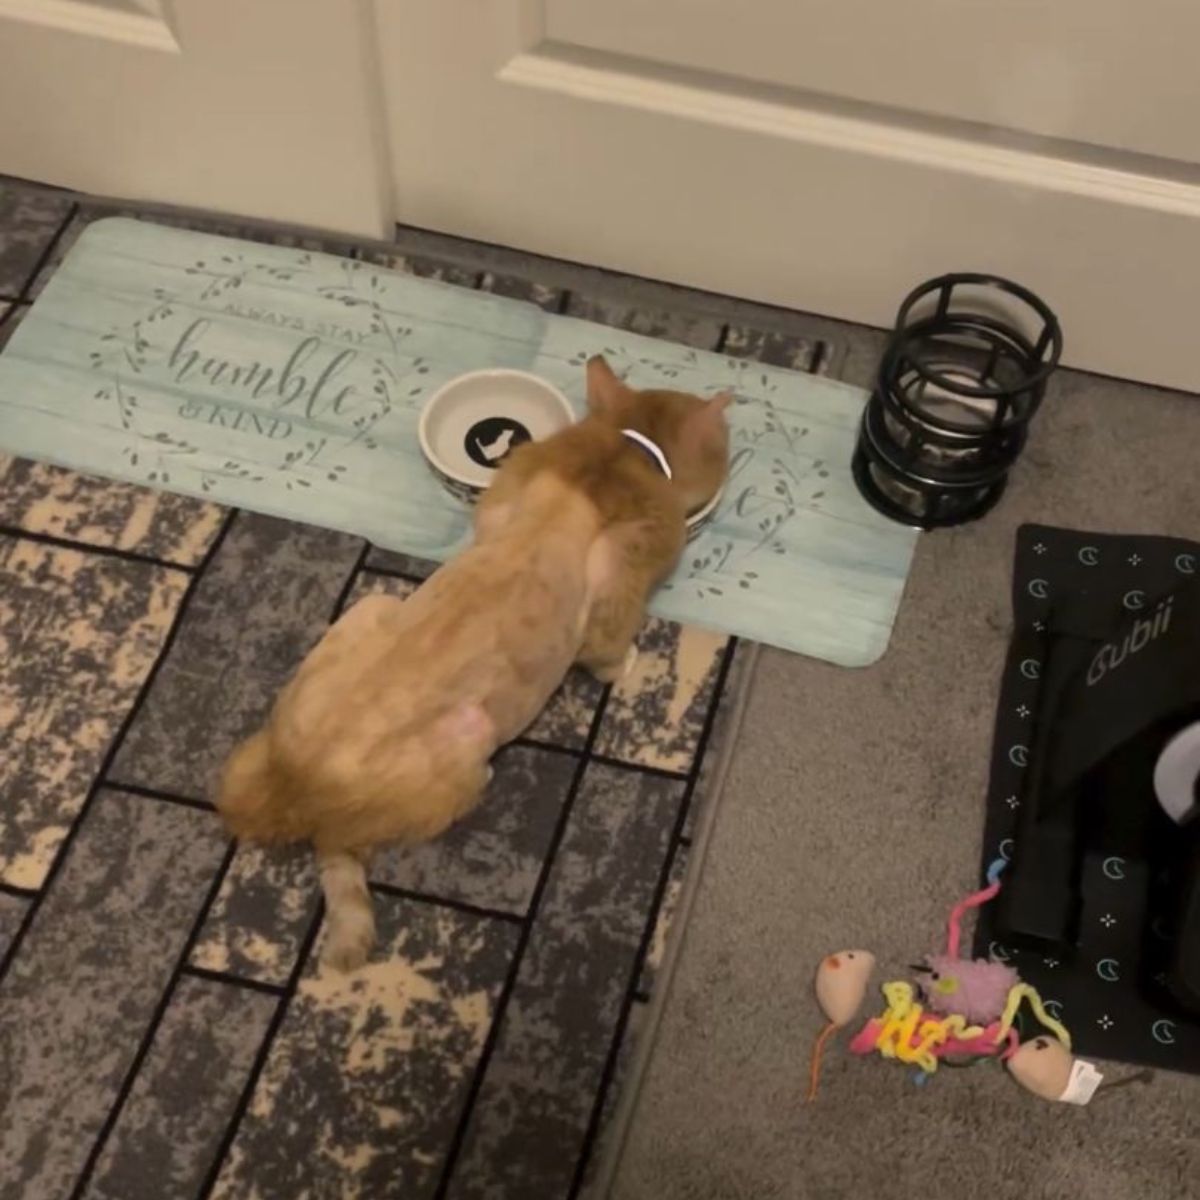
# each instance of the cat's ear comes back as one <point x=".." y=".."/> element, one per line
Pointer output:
<point x="705" y="427"/>
<point x="711" y="414"/>
<point x="604" y="390"/>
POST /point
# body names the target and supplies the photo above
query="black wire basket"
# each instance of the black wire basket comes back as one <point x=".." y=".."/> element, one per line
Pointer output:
<point x="963" y="374"/>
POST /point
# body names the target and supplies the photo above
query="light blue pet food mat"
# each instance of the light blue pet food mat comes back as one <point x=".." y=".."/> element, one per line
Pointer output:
<point x="290" y="383"/>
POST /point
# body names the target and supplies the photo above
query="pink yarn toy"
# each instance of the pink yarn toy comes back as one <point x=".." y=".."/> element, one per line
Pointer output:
<point x="969" y="1005"/>
<point x="978" y="989"/>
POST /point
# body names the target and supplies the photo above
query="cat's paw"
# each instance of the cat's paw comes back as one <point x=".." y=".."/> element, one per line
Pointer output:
<point x="614" y="673"/>
<point x="349" y="940"/>
<point x="628" y="663"/>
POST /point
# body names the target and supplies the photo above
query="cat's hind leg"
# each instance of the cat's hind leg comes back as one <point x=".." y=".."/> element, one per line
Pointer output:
<point x="349" y="913"/>
<point x="416" y="810"/>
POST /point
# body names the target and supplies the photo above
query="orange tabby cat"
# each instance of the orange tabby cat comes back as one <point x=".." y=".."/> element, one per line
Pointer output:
<point x="385" y="731"/>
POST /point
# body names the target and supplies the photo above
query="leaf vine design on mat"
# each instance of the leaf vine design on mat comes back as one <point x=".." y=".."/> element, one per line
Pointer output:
<point x="397" y="378"/>
<point x="392" y="372"/>
<point x="227" y="272"/>
<point x="135" y="355"/>
<point x="624" y="361"/>
<point x="122" y="354"/>
<point x="308" y="460"/>
<point x="156" y="455"/>
<point x="771" y="480"/>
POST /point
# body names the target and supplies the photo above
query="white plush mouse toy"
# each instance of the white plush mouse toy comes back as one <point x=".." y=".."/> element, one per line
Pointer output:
<point x="841" y="987"/>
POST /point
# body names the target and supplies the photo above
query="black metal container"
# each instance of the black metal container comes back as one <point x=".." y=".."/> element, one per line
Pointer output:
<point x="963" y="373"/>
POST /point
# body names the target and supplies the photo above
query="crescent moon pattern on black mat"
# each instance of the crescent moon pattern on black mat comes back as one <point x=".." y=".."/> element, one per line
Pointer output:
<point x="1106" y="1006"/>
<point x="1163" y="1031"/>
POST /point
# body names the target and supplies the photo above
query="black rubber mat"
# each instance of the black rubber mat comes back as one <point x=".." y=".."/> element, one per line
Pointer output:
<point x="1106" y="988"/>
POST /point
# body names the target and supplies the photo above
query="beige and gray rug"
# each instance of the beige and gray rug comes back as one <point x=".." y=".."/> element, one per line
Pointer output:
<point x="165" y="1028"/>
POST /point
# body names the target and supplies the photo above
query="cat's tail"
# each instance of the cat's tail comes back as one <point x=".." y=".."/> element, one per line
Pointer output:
<point x="255" y="797"/>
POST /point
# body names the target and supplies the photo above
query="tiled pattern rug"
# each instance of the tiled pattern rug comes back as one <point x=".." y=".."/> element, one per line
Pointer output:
<point x="165" y="1029"/>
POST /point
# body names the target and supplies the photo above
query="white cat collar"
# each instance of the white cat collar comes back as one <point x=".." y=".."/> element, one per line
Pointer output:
<point x="651" y="448"/>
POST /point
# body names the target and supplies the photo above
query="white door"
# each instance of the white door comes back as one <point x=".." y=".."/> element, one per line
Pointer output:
<point x="268" y="108"/>
<point x="824" y="154"/>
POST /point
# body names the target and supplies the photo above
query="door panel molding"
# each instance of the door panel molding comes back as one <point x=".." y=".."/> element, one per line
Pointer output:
<point x="270" y="109"/>
<point x="609" y="157"/>
<point x="146" y="25"/>
<point x="1005" y="156"/>
<point x="1105" y="73"/>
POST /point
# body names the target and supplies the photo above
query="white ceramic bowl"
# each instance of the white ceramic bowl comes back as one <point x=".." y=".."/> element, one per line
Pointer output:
<point x="470" y="423"/>
<point x="701" y="517"/>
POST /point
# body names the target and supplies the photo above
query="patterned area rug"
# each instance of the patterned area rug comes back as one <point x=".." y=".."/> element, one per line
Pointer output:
<point x="164" y="1024"/>
<point x="165" y="1028"/>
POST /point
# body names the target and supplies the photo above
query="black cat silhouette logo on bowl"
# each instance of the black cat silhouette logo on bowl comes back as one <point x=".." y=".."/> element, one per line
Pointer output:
<point x="471" y="424"/>
<point x="489" y="442"/>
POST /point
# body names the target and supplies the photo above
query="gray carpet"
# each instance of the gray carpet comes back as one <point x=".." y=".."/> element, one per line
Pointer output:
<point x="852" y="815"/>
